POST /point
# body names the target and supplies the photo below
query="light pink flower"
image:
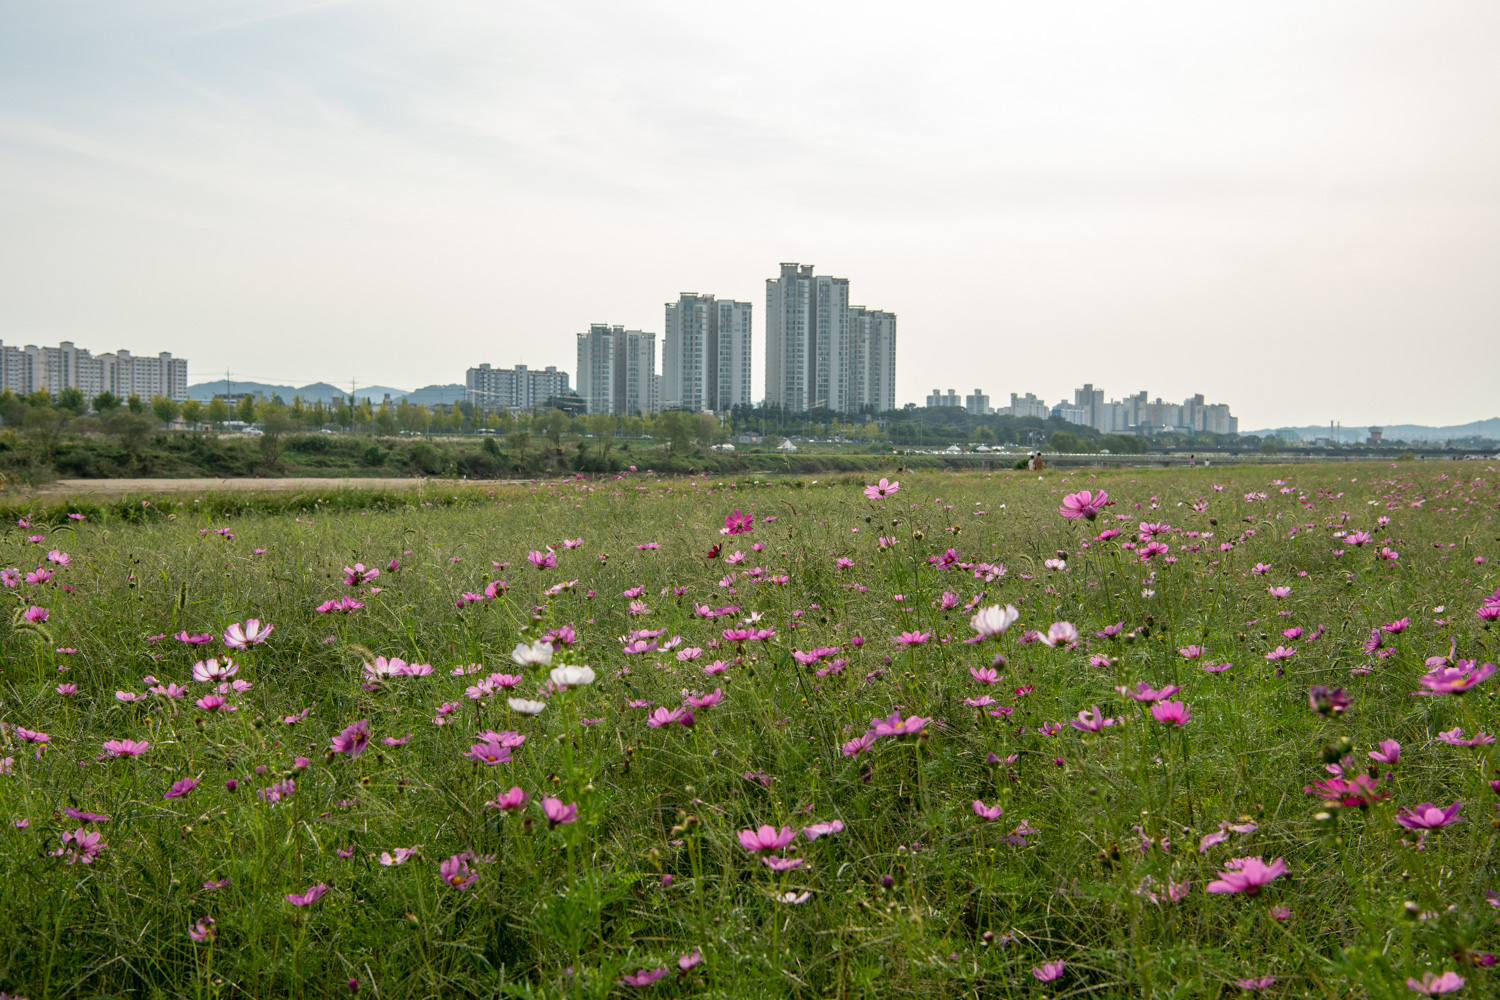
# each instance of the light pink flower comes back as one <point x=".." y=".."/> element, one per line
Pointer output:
<point x="1247" y="875"/>
<point x="251" y="633"/>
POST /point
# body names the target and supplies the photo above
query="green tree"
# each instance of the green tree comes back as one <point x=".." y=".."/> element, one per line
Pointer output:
<point x="552" y="425"/>
<point x="192" y="411"/>
<point x="385" y="420"/>
<point x="130" y="427"/>
<point x="1270" y="446"/>
<point x="166" y="410"/>
<point x="71" y="400"/>
<point x="244" y="410"/>
<point x="602" y="426"/>
<point x="136" y="404"/>
<point x="1066" y="441"/>
<point x="12" y="410"/>
<point x="218" y="410"/>
<point x="105" y="401"/>
<point x="455" y="419"/>
<point x="44" y="425"/>
<point x="677" y="429"/>
<point x="519" y="443"/>
<point x="275" y="424"/>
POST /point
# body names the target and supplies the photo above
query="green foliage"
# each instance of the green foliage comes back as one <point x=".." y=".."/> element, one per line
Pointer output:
<point x="105" y="401"/>
<point x="165" y="409"/>
<point x="71" y="400"/>
<point x="218" y="410"/>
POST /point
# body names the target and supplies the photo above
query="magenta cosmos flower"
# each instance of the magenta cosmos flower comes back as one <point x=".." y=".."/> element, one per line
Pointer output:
<point x="126" y="748"/>
<point x="1456" y="679"/>
<point x="512" y="801"/>
<point x="882" y="489"/>
<point x="542" y="560"/>
<point x="1092" y="720"/>
<point x="766" y="839"/>
<point x="456" y="872"/>
<point x="559" y="814"/>
<point x="1144" y="692"/>
<point x="1429" y="817"/>
<point x="642" y="977"/>
<point x="737" y="523"/>
<point x="353" y="739"/>
<point x="1049" y="971"/>
<point x="894" y="725"/>
<point x="308" y="898"/>
<point x="1430" y="985"/>
<point x="1247" y="875"/>
<point x="1171" y="713"/>
<point x="181" y="788"/>
<point x="80" y="847"/>
<point x="1084" y="504"/>
<point x="986" y="812"/>
<point x="1389" y="752"/>
<point x="911" y="638"/>
<point x="36" y="615"/>
<point x="251" y="633"/>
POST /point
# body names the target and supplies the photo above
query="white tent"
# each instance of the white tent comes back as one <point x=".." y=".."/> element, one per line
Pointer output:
<point x="787" y="446"/>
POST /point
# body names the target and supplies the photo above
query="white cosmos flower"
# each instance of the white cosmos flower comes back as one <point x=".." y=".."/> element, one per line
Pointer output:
<point x="526" y="706"/>
<point x="794" y="898"/>
<point x="994" y="620"/>
<point x="539" y="652"/>
<point x="571" y="676"/>
<point x="1060" y="634"/>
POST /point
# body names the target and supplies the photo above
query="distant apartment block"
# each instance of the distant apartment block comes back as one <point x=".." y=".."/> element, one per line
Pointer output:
<point x="617" y="371"/>
<point x="1027" y="406"/>
<point x="823" y="352"/>
<point x="25" y="370"/>
<point x="977" y="403"/>
<point x="1139" y="415"/>
<point x="518" y="388"/>
<point x="936" y="399"/>
<point x="872" y="359"/>
<point x="706" y="353"/>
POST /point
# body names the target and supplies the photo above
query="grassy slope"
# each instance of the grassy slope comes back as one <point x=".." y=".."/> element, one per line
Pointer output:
<point x="592" y="893"/>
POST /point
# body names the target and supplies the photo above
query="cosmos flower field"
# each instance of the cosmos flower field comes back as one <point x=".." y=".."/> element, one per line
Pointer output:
<point x="1200" y="733"/>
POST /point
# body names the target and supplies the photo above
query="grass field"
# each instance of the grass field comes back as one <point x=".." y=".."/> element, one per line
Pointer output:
<point x="786" y="770"/>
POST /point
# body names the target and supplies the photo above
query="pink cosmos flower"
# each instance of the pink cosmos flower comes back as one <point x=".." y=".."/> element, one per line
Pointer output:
<point x="665" y="717"/>
<point x="212" y="671"/>
<point x="1456" y="679"/>
<point x="823" y="829"/>
<point x="1256" y="984"/>
<point x="882" y="489"/>
<point x="1279" y="591"/>
<point x="399" y="856"/>
<point x="1171" y="713"/>
<point x="1280" y="653"/>
<point x="512" y="801"/>
<point x="856" y="746"/>
<point x="1084" y="503"/>
<point x="991" y="622"/>
<point x="489" y="754"/>
<point x="128" y="696"/>
<point x="1144" y="692"/>
<point x="353" y="740"/>
<point x="1431" y="985"/>
<point x="308" y="898"/>
<point x="1060" y="634"/>
<point x="203" y="930"/>
<point x="782" y="864"/>
<point x="251" y="633"/>
<point x="358" y="575"/>
<point x="455" y="871"/>
<point x="181" y="787"/>
<point x="766" y="839"/>
<point x="542" y="560"/>
<point x="910" y="639"/>
<point x="126" y="748"/>
<point x="1247" y="875"/>
<point x="1192" y="652"/>
<point x="690" y="960"/>
<point x="194" y="640"/>
<point x="986" y="812"/>
<point x="36" y="615"/>
<point x="1091" y="721"/>
<point x="215" y="703"/>
<point x="559" y="814"/>
<point x="80" y="847"/>
<point x="894" y="725"/>
<point x="642" y="977"/>
<point x="737" y="523"/>
<point x="1455" y="737"/>
<point x="1048" y="971"/>
<point x="1429" y="817"/>
<point x="1389" y="752"/>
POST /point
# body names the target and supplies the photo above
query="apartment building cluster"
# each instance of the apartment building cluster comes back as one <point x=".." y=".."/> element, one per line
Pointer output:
<point x="518" y="388"/>
<point x="29" y="369"/>
<point x="821" y="351"/>
<point x="1139" y="415"/>
<point x="824" y="352"/>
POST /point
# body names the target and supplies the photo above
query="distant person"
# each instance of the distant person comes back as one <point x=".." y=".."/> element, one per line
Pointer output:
<point x="1192" y="461"/>
<point x="1039" y="463"/>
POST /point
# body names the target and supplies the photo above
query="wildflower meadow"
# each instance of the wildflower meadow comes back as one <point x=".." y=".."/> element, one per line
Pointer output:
<point x="1128" y="733"/>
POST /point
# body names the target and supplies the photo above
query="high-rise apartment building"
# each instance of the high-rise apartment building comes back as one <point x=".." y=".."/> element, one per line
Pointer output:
<point x="1138" y="414"/>
<point x="872" y="359"/>
<point x="820" y="351"/>
<point x="706" y="353"/>
<point x="25" y="370"/>
<point x="937" y="399"/>
<point x="617" y="370"/>
<point x="518" y="388"/>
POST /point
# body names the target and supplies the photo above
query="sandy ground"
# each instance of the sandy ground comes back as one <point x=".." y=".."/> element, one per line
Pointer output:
<point x="116" y="487"/>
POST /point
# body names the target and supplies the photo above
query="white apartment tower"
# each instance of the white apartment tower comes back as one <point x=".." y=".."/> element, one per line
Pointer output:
<point x="518" y="388"/>
<point x="820" y="351"/>
<point x="706" y="353"/>
<point x="617" y="370"/>
<point x="25" y="370"/>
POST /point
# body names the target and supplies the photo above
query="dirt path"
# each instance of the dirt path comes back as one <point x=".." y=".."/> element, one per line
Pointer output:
<point x="117" y="487"/>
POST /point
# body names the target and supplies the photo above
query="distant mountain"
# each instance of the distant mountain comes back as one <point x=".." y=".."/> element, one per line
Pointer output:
<point x="1393" y="432"/>
<point x="322" y="391"/>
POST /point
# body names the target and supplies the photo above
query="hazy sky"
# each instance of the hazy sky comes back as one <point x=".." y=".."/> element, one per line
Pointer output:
<point x="1291" y="207"/>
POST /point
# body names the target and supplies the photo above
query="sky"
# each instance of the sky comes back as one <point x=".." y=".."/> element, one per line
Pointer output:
<point x="1292" y="208"/>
